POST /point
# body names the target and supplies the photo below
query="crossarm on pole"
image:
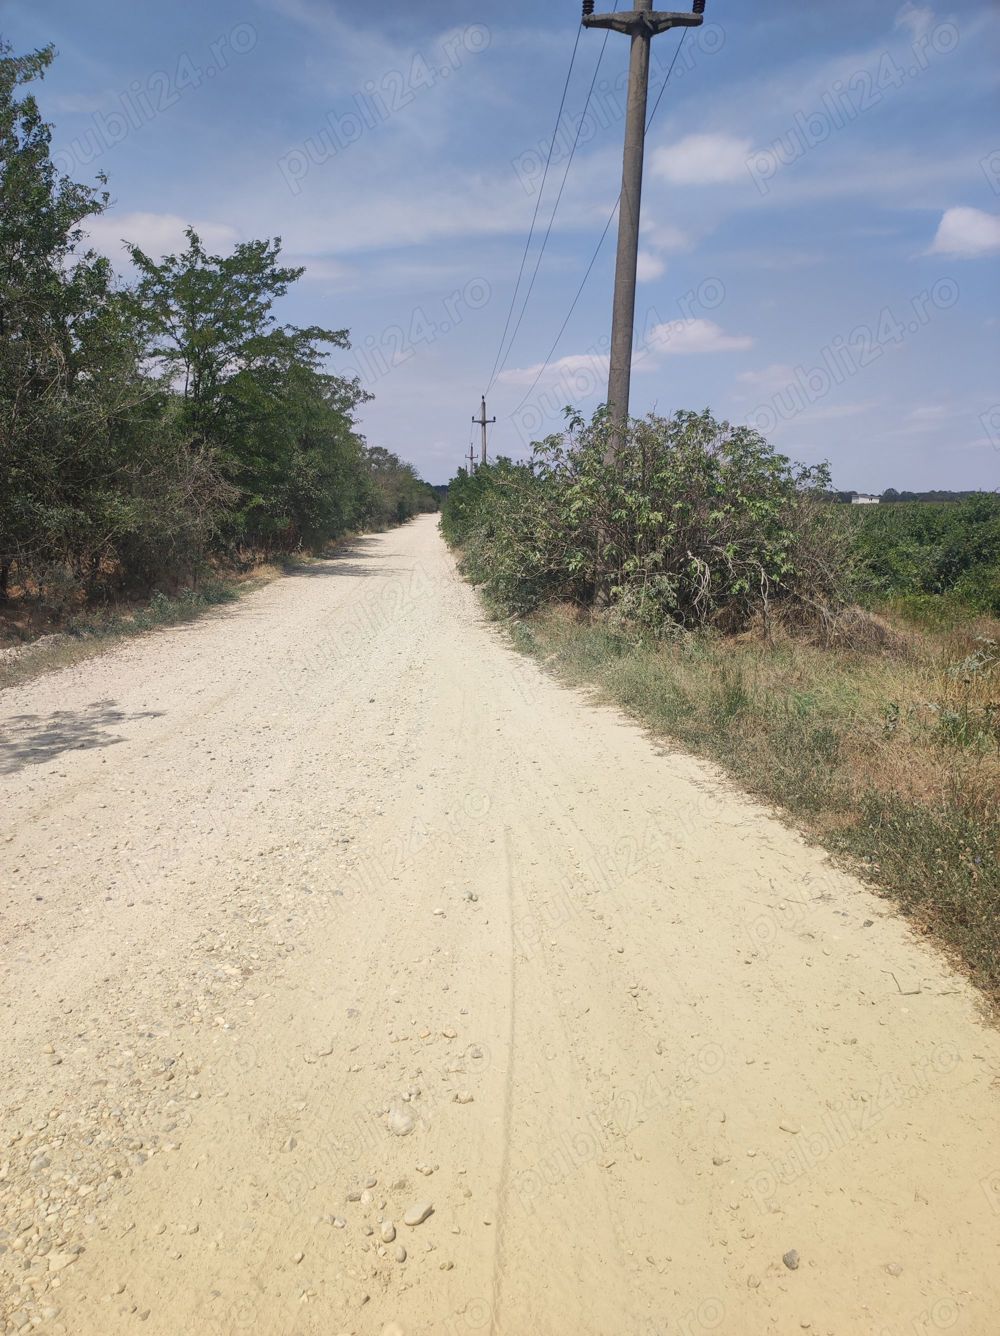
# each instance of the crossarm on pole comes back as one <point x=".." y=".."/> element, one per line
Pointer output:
<point x="652" y="21"/>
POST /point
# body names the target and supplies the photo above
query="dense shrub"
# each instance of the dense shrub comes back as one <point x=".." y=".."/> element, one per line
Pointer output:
<point x="918" y="550"/>
<point x="688" y="521"/>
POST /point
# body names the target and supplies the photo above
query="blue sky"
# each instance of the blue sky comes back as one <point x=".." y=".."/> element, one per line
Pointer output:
<point x="821" y="212"/>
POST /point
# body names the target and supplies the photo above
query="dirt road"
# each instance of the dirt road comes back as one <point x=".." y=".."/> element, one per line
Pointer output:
<point x="331" y="905"/>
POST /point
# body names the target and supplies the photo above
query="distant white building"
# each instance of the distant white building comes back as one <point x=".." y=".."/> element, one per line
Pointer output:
<point x="863" y="499"/>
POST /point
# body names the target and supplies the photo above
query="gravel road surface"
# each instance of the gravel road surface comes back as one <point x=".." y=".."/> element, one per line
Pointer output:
<point x="356" y="977"/>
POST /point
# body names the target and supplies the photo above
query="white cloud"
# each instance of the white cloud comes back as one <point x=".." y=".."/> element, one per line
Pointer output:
<point x="586" y="372"/>
<point x="155" y="233"/>
<point x="917" y="19"/>
<point x="705" y="159"/>
<point x="967" y="233"/>
<point x="683" y="337"/>
<point x="665" y="237"/>
<point x="330" y="218"/>
<point x="583" y="366"/>
<point x="650" y="266"/>
<point x="770" y="378"/>
<point x="319" y="269"/>
<point x="895" y="176"/>
<point x="928" y="413"/>
<point x="924" y="419"/>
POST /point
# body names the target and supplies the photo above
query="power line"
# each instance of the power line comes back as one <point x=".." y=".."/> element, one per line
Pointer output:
<point x="666" y="79"/>
<point x="597" y="249"/>
<point x="498" y="367"/>
<point x="538" y="203"/>
<point x="579" y="293"/>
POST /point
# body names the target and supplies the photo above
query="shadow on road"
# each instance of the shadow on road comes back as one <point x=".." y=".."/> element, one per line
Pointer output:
<point x="31" y="739"/>
<point x="342" y="571"/>
<point x="348" y="560"/>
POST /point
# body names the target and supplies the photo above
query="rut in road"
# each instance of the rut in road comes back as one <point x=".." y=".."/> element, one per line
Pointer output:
<point x="331" y="905"/>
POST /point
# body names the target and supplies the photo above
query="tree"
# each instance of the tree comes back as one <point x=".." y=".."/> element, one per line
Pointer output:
<point x="49" y="290"/>
<point x="253" y="391"/>
<point x="145" y="427"/>
<point x="209" y="317"/>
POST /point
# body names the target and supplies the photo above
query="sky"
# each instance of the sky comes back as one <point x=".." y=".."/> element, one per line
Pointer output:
<point x="821" y="210"/>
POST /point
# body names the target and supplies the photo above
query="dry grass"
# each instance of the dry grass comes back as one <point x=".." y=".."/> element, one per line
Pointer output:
<point x="884" y="743"/>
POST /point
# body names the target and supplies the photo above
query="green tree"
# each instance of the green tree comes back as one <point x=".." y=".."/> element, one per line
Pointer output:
<point x="49" y="289"/>
<point x="254" y="391"/>
<point x="145" y="428"/>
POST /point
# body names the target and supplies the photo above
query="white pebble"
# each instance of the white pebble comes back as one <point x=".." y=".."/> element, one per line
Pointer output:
<point x="401" y="1123"/>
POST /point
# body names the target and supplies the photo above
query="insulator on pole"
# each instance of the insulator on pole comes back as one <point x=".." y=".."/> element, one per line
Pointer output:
<point x="588" y="7"/>
<point x="699" y="6"/>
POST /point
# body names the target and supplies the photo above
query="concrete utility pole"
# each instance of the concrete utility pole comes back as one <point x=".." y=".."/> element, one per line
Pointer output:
<point x="472" y="457"/>
<point x="483" y="421"/>
<point x="641" y="24"/>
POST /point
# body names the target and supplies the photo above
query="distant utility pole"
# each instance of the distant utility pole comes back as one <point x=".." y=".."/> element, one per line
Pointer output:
<point x="472" y="457"/>
<point x="483" y="421"/>
<point x="641" y="24"/>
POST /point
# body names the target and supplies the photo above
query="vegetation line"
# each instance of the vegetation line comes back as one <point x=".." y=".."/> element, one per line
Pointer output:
<point x="156" y="428"/>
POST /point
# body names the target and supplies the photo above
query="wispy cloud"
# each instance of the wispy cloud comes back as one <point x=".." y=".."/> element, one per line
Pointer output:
<point x="916" y="19"/>
<point x="155" y="233"/>
<point x="770" y="378"/>
<point x="321" y="269"/>
<point x="676" y="338"/>
<point x="927" y="413"/>
<point x="835" y="412"/>
<point x="702" y="159"/>
<point x="684" y="338"/>
<point x="573" y="364"/>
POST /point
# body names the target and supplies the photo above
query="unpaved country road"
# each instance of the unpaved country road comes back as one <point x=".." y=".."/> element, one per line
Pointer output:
<point x="336" y="863"/>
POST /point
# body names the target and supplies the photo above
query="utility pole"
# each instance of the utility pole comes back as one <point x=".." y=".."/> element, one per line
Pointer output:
<point x="642" y="24"/>
<point x="483" y="421"/>
<point x="472" y="457"/>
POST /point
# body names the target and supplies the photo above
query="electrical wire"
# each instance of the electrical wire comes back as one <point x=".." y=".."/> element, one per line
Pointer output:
<point x="597" y="249"/>
<point x="666" y="80"/>
<point x="499" y="366"/>
<point x="538" y="203"/>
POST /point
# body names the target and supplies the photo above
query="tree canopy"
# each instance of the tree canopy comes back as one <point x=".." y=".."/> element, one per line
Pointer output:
<point x="149" y="425"/>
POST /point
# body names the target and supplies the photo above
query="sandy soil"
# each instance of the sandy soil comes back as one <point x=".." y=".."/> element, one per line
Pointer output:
<point x="333" y="894"/>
